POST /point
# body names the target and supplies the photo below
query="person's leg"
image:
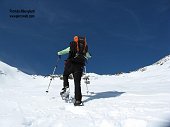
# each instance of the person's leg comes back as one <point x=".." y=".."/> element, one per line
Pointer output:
<point x="77" y="81"/>
<point x="67" y="72"/>
<point x="65" y="79"/>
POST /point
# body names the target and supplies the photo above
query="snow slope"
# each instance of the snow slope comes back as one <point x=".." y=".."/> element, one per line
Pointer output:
<point x="136" y="99"/>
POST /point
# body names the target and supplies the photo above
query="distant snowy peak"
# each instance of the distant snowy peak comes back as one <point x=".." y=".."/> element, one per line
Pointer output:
<point x="6" y="69"/>
<point x="163" y="63"/>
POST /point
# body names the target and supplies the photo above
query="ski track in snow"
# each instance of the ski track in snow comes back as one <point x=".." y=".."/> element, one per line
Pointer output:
<point x="137" y="99"/>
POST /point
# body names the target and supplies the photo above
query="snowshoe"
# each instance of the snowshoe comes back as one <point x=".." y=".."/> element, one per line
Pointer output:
<point x="65" y="94"/>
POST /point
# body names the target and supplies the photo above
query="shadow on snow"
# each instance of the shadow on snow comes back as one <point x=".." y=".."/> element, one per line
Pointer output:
<point x="107" y="94"/>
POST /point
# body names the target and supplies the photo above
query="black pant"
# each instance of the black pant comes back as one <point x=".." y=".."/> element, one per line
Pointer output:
<point x="76" y="70"/>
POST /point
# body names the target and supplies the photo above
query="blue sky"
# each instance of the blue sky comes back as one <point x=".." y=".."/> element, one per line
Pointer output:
<point x="123" y="35"/>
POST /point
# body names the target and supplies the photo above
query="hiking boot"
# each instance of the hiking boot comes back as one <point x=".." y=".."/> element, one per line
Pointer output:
<point x="63" y="90"/>
<point x="78" y="103"/>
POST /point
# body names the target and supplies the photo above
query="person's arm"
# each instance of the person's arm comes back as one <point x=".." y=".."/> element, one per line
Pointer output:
<point x="63" y="52"/>
<point x="66" y="51"/>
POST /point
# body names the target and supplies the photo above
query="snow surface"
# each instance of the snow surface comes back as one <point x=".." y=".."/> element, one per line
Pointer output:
<point x="137" y="99"/>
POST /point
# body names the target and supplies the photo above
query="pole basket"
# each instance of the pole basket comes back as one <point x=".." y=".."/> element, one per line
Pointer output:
<point x="87" y="82"/>
<point x="86" y="79"/>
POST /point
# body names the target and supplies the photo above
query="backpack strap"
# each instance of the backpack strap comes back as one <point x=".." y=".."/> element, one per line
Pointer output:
<point x="85" y="44"/>
<point x="77" y="46"/>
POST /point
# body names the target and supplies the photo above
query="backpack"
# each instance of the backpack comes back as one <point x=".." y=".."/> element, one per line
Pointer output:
<point x="79" y="50"/>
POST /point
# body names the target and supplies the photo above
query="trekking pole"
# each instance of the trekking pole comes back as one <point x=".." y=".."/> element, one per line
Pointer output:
<point x="87" y="89"/>
<point x="53" y="74"/>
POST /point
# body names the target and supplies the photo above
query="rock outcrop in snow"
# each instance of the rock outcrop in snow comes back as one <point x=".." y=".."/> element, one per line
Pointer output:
<point x="161" y="64"/>
<point x="165" y="60"/>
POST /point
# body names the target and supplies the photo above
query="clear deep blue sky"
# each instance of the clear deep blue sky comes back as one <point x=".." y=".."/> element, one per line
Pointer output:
<point x="123" y="35"/>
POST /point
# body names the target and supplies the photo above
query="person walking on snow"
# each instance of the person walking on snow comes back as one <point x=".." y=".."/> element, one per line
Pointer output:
<point x="78" y="54"/>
